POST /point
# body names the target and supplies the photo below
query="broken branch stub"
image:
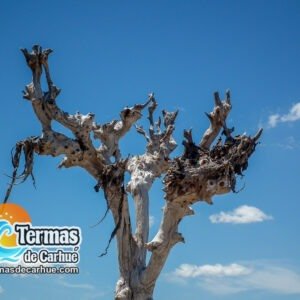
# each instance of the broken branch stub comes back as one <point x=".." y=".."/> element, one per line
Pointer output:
<point x="217" y="120"/>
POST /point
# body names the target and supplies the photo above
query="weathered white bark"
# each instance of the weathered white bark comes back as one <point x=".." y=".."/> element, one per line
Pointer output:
<point x="144" y="170"/>
<point x="201" y="172"/>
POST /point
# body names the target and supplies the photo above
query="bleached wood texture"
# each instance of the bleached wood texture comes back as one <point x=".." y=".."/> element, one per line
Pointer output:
<point x="201" y="172"/>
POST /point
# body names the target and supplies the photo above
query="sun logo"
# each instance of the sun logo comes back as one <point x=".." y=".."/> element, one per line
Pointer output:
<point x="10" y="214"/>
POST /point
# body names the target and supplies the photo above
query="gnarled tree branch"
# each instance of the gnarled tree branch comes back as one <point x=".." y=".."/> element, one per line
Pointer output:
<point x="200" y="173"/>
<point x="217" y="120"/>
<point x="146" y="168"/>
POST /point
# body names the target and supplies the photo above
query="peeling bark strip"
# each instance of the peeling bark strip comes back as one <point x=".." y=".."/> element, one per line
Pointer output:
<point x="202" y="171"/>
<point x="27" y="146"/>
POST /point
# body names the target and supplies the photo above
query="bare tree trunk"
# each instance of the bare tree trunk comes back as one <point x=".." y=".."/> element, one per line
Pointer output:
<point x="202" y="171"/>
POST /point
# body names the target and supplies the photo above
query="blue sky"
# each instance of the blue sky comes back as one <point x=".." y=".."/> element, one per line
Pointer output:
<point x="109" y="54"/>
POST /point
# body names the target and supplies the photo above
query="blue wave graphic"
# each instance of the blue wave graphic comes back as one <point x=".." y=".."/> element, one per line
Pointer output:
<point x="9" y="254"/>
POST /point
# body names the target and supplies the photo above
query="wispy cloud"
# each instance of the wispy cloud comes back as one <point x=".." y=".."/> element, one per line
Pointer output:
<point x="241" y="215"/>
<point x="218" y="270"/>
<point x="292" y="116"/>
<point x="85" y="286"/>
<point x="151" y="221"/>
<point x="290" y="143"/>
<point x="1" y="289"/>
<point x="89" y="291"/>
<point x="235" y="278"/>
<point x="96" y="295"/>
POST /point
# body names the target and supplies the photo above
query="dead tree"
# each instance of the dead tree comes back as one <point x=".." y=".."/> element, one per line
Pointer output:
<point x="203" y="170"/>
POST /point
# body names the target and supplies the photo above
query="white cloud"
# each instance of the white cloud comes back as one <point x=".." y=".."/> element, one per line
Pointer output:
<point x="235" y="278"/>
<point x="292" y="116"/>
<point x="273" y="120"/>
<point x="151" y="221"/>
<point x="1" y="289"/>
<point x="241" y="215"/>
<point x="85" y="286"/>
<point x="218" y="270"/>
